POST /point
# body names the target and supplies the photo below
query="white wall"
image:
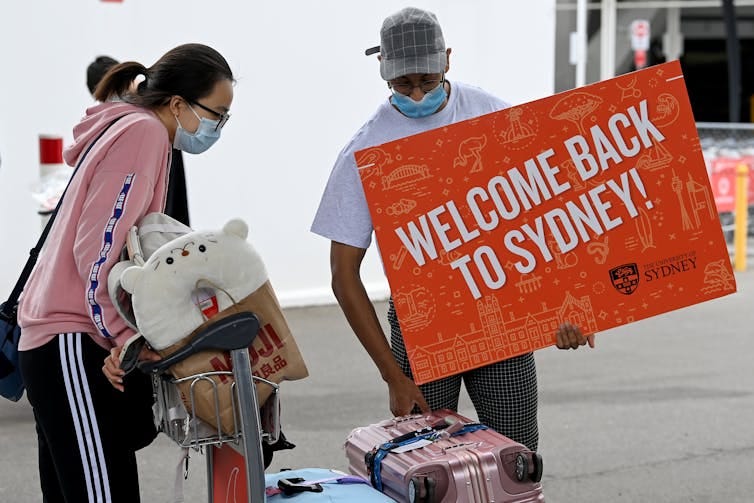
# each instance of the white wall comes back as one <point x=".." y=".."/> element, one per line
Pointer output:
<point x="304" y="87"/>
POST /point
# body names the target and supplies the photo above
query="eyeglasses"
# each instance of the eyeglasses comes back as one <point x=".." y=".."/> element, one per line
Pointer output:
<point x="406" y="88"/>
<point x="223" y="118"/>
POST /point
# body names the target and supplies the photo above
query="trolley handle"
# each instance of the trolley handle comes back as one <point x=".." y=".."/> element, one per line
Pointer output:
<point x="236" y="331"/>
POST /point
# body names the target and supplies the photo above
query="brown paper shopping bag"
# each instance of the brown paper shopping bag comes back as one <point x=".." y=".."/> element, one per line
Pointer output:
<point x="274" y="357"/>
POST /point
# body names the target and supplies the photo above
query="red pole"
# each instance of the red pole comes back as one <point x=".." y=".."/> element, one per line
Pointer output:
<point x="50" y="154"/>
<point x="50" y="164"/>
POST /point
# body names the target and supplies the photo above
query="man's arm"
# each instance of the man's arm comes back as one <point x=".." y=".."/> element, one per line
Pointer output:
<point x="345" y="266"/>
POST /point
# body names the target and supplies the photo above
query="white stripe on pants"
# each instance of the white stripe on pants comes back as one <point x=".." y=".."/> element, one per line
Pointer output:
<point x="84" y="418"/>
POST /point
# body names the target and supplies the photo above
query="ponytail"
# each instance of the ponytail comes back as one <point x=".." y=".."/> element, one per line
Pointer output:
<point x="118" y="80"/>
<point x="190" y="71"/>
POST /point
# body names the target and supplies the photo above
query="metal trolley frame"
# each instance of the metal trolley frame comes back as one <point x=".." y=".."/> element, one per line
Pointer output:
<point x="181" y="424"/>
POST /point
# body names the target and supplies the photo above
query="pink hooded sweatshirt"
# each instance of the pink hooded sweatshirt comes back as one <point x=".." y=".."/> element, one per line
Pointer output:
<point x="123" y="177"/>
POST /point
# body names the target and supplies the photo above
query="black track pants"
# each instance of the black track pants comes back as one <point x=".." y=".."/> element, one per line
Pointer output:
<point x="87" y="431"/>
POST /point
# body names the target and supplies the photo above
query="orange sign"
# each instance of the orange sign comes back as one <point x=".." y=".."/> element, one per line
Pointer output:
<point x="591" y="206"/>
<point x="228" y="475"/>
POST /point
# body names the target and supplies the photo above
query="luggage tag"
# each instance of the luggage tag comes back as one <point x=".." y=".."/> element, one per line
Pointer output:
<point x="413" y="445"/>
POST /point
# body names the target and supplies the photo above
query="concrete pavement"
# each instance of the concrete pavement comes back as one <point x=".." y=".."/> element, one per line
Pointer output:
<point x="662" y="411"/>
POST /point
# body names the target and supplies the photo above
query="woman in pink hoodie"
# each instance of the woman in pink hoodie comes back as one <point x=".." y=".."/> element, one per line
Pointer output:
<point x="88" y="431"/>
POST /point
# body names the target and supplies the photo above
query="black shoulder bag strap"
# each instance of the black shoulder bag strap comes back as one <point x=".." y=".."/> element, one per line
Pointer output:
<point x="9" y="307"/>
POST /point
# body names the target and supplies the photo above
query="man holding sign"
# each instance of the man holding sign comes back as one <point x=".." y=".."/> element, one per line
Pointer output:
<point x="414" y="61"/>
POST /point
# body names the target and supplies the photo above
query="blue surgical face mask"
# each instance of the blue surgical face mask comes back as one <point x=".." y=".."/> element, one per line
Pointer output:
<point x="424" y="107"/>
<point x="199" y="141"/>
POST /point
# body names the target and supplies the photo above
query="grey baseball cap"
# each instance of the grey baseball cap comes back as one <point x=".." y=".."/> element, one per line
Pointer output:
<point x="411" y="41"/>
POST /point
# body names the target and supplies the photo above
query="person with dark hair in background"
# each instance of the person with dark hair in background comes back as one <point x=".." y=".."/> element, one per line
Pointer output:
<point x="96" y="70"/>
<point x="414" y="62"/>
<point x="90" y="418"/>
<point x="177" y="199"/>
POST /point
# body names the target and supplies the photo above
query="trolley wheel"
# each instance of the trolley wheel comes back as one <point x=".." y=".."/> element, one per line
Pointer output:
<point x="536" y="474"/>
<point x="416" y="490"/>
<point x="431" y="486"/>
<point x="521" y="467"/>
<point x="421" y="490"/>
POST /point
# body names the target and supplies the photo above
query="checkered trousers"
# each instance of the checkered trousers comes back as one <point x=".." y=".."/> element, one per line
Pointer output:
<point x="504" y="394"/>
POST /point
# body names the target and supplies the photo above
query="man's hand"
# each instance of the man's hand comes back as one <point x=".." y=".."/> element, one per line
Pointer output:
<point x="112" y="369"/>
<point x="569" y="336"/>
<point x="404" y="395"/>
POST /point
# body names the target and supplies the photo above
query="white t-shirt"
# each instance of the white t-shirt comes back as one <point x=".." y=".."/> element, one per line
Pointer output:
<point x="343" y="214"/>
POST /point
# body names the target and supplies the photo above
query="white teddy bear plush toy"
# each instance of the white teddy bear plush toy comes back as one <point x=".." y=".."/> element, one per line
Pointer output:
<point x="164" y="289"/>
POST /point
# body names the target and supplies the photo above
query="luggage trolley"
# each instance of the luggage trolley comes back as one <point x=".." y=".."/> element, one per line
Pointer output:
<point x="234" y="333"/>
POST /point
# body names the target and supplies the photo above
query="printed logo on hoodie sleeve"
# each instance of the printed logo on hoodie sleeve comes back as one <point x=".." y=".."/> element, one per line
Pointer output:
<point x="107" y="244"/>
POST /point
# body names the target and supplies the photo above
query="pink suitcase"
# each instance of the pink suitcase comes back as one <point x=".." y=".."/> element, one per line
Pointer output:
<point x="444" y="457"/>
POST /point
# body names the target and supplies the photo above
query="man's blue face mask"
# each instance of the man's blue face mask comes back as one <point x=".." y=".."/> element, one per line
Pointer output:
<point x="424" y="107"/>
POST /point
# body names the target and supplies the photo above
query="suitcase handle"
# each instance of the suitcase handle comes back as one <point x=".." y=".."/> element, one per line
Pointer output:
<point x="298" y="485"/>
<point x="462" y="446"/>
